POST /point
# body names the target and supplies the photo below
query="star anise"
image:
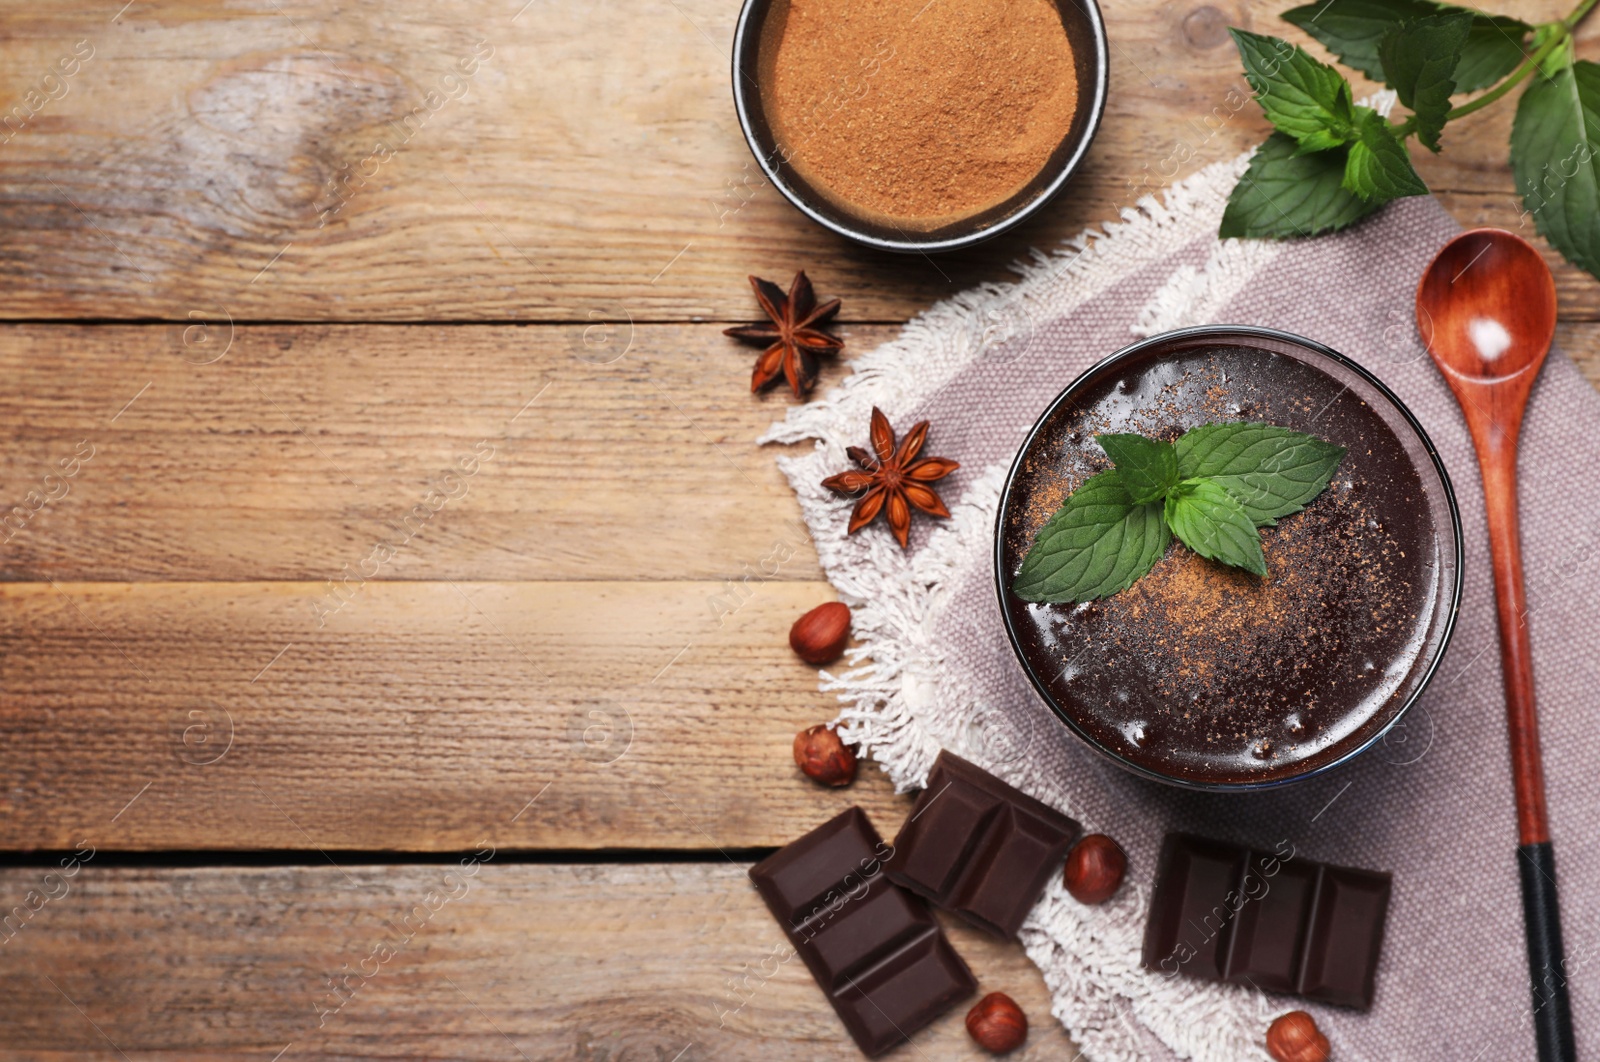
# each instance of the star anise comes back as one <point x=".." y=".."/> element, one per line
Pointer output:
<point x="894" y="480"/>
<point x="794" y="333"/>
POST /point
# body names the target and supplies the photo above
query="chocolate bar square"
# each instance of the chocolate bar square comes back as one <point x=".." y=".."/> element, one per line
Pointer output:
<point x="979" y="847"/>
<point x="873" y="948"/>
<point x="1346" y="937"/>
<point x="1190" y="918"/>
<point x="1269" y="933"/>
<point x="1282" y="923"/>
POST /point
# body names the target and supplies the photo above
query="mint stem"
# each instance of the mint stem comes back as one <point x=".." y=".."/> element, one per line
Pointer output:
<point x="1529" y="65"/>
<point x="1572" y="20"/>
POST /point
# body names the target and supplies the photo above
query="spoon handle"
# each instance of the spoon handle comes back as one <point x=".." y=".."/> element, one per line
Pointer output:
<point x="1498" y="459"/>
<point x="1541" y="915"/>
<point x="1552" y="1014"/>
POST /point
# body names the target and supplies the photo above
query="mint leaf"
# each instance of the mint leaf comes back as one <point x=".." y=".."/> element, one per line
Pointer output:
<point x="1112" y="530"/>
<point x="1148" y="468"/>
<point x="1419" y="62"/>
<point x="1354" y="31"/>
<point x="1554" y="160"/>
<point x="1209" y="521"/>
<point x="1286" y="194"/>
<point x="1270" y="471"/>
<point x="1302" y="97"/>
<point x="1096" y="544"/>
<point x="1378" y="168"/>
<point x="1493" y="50"/>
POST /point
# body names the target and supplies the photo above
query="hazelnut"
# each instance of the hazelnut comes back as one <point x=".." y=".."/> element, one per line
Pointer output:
<point x="1094" y="869"/>
<point x="1294" y="1037"/>
<point x="997" y="1023"/>
<point x="823" y="757"/>
<point x="820" y="635"/>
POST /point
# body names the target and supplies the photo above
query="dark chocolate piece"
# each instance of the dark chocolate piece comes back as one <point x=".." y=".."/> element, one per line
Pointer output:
<point x="1274" y="920"/>
<point x="875" y="949"/>
<point x="979" y="847"/>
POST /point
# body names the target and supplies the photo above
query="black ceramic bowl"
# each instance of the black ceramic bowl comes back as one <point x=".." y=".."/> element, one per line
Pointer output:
<point x="1368" y="603"/>
<point x="1085" y="31"/>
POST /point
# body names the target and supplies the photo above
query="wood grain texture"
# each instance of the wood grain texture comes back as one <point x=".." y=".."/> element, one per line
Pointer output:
<point x="305" y="446"/>
<point x="422" y="716"/>
<point x="434" y="701"/>
<point x="588" y="963"/>
<point x="219" y="160"/>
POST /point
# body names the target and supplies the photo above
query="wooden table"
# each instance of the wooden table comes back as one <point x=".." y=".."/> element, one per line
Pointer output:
<point x="261" y="350"/>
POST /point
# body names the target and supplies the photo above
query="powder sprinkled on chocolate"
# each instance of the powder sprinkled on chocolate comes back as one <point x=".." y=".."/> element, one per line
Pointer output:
<point x="914" y="113"/>
<point x="1209" y="629"/>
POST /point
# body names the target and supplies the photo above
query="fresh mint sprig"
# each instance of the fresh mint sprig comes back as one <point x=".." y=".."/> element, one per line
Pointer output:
<point x="1212" y="489"/>
<point x="1331" y="162"/>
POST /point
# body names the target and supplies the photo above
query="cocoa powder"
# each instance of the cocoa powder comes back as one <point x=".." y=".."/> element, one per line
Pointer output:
<point x="917" y="113"/>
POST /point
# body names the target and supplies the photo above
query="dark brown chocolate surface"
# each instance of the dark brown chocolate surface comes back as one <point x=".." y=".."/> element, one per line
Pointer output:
<point x="979" y="847"/>
<point x="1209" y="674"/>
<point x="874" y="948"/>
<point x="1271" y="919"/>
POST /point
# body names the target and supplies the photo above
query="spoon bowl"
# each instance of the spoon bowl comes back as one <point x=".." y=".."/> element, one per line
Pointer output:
<point x="1486" y="307"/>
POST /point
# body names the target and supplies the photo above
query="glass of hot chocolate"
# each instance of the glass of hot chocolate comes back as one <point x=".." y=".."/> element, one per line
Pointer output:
<point x="1206" y="675"/>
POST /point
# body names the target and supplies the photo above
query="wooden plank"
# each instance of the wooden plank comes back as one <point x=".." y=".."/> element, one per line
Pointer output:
<point x="612" y="963"/>
<point x="305" y="446"/>
<point x="198" y="161"/>
<point x="578" y="715"/>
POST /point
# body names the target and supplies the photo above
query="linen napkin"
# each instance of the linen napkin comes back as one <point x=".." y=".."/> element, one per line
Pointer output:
<point x="1432" y="803"/>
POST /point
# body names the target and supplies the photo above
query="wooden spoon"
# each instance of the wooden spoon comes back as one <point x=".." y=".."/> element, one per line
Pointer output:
<point x="1486" y="307"/>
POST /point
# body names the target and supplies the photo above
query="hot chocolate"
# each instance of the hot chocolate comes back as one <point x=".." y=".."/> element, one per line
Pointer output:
<point x="1209" y="675"/>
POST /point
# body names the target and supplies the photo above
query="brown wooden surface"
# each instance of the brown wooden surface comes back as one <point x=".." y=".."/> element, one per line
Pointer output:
<point x="421" y="712"/>
<point x="578" y="228"/>
<point x="594" y="170"/>
<point x="299" y="449"/>
<point x="432" y="700"/>
<point x="609" y="963"/>
<point x="294" y="454"/>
